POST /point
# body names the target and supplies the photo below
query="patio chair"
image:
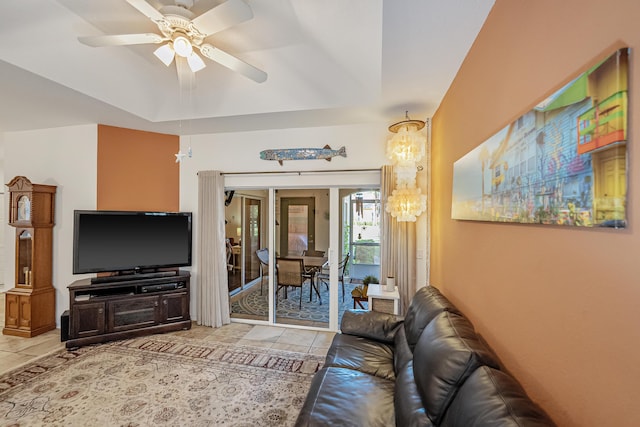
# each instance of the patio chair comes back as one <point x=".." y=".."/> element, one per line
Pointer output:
<point x="263" y="257"/>
<point x="310" y="272"/>
<point x="323" y="276"/>
<point x="289" y="273"/>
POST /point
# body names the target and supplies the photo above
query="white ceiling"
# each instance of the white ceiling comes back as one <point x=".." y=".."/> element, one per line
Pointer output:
<point x="329" y="62"/>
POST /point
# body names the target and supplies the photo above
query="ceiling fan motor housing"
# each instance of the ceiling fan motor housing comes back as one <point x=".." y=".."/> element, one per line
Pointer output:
<point x="177" y="24"/>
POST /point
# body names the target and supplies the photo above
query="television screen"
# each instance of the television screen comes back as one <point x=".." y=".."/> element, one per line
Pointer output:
<point x="117" y="241"/>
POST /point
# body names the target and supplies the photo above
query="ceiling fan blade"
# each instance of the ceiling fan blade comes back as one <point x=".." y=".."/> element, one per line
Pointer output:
<point x="233" y="63"/>
<point x="120" y="39"/>
<point x="223" y="16"/>
<point x="147" y="10"/>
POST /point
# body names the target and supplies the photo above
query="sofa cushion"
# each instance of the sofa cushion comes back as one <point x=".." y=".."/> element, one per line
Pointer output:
<point x="362" y="354"/>
<point x="426" y="304"/>
<point x="344" y="397"/>
<point x="402" y="352"/>
<point x="446" y="354"/>
<point x="370" y="324"/>
<point x="409" y="409"/>
<point x="493" y="398"/>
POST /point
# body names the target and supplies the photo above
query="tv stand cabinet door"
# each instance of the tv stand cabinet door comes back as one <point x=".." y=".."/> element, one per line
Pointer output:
<point x="133" y="313"/>
<point x="87" y="319"/>
<point x="175" y="307"/>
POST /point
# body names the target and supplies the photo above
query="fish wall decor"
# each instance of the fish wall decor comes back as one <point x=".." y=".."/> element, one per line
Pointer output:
<point x="282" y="154"/>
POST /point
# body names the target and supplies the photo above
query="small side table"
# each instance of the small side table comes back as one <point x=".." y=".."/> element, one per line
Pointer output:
<point x="383" y="301"/>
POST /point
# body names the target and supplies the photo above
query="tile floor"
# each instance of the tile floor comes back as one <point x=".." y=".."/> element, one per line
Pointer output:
<point x="15" y="351"/>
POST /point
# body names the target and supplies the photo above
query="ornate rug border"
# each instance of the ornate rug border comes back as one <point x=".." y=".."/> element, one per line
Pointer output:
<point x="187" y="349"/>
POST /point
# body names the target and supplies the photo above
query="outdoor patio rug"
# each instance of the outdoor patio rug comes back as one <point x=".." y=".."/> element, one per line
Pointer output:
<point x="253" y="303"/>
<point x="159" y="380"/>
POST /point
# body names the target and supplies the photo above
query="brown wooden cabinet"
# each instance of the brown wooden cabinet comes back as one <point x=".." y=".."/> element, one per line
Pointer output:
<point x="89" y="319"/>
<point x="30" y="305"/>
<point x="126" y="308"/>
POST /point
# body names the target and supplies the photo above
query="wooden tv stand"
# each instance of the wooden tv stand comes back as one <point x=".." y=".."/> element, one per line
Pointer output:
<point x="108" y="311"/>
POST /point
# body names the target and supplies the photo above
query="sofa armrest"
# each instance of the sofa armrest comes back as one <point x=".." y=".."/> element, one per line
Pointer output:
<point x="370" y="324"/>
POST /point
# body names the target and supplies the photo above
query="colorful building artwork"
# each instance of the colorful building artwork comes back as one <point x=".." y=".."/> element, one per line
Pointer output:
<point x="563" y="162"/>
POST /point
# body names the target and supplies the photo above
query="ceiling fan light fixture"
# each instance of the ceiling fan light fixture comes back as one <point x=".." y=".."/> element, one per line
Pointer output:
<point x="165" y="54"/>
<point x="195" y="62"/>
<point x="182" y="46"/>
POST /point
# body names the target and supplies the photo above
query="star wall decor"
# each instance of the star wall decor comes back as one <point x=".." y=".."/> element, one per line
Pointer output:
<point x="180" y="156"/>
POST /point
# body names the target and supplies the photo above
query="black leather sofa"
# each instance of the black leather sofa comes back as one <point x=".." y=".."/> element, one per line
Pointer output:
<point x="430" y="369"/>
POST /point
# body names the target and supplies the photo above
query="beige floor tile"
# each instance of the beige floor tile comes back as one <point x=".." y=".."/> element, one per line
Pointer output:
<point x="9" y="360"/>
<point x="323" y="339"/>
<point x="19" y="344"/>
<point x="264" y="333"/>
<point x="318" y="351"/>
<point x="6" y="340"/>
<point x="15" y="344"/>
<point x="44" y="347"/>
<point x="297" y="337"/>
<point x="291" y="347"/>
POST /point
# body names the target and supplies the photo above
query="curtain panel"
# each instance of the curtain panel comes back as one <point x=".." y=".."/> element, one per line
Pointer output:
<point x="212" y="290"/>
<point x="397" y="245"/>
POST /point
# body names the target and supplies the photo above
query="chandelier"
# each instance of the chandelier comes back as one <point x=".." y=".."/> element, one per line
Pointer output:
<point x="405" y="149"/>
<point x="406" y="203"/>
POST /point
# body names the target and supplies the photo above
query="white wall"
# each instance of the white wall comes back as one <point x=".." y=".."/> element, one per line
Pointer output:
<point x="65" y="157"/>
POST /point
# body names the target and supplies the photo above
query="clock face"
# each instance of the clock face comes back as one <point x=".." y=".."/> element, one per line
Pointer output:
<point x="24" y="209"/>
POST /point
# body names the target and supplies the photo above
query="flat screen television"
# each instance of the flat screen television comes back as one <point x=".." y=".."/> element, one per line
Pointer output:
<point x="130" y="242"/>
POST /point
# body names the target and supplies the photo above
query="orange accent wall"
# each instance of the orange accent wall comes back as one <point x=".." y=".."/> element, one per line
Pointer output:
<point x="137" y="170"/>
<point x="561" y="306"/>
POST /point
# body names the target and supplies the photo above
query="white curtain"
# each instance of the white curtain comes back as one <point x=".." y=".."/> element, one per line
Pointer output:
<point x="397" y="245"/>
<point x="213" y="291"/>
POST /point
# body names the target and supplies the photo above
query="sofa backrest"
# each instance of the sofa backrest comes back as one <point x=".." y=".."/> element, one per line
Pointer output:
<point x="493" y="398"/>
<point x="426" y="304"/>
<point x="447" y="352"/>
<point x="407" y="402"/>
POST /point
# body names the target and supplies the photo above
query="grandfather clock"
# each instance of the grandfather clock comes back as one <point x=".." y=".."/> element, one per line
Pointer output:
<point x="31" y="305"/>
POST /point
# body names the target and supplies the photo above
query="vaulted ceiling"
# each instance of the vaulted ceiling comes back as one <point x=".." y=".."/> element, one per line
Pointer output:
<point x="328" y="62"/>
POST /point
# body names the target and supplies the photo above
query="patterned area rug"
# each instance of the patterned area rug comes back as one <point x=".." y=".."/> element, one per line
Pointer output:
<point x="159" y="380"/>
<point x="253" y="303"/>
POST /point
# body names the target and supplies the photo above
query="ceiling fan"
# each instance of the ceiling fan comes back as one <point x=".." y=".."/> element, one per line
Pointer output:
<point x="183" y="34"/>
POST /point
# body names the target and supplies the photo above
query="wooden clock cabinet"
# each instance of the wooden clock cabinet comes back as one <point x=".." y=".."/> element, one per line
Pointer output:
<point x="30" y="305"/>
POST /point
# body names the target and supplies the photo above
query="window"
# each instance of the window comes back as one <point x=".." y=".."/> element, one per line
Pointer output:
<point x="362" y="233"/>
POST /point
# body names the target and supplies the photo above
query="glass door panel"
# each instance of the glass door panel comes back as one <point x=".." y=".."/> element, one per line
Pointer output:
<point x="297" y="230"/>
<point x="252" y="239"/>
<point x="365" y="234"/>
<point x="302" y="224"/>
<point x="247" y="276"/>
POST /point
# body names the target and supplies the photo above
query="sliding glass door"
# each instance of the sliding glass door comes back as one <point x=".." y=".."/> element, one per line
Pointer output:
<point x="316" y="245"/>
<point x="301" y="295"/>
<point x="246" y="232"/>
